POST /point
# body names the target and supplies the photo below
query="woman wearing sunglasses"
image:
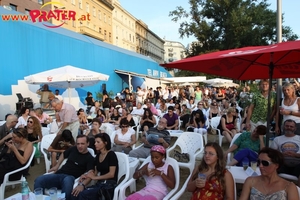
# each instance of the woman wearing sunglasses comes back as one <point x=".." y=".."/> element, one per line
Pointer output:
<point x="35" y="135"/>
<point x="269" y="185"/>
<point x="15" y="154"/>
<point x="125" y="137"/>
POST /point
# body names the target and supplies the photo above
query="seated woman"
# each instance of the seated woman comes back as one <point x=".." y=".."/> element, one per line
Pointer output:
<point x="114" y="118"/>
<point x="15" y="154"/>
<point x="157" y="105"/>
<point x="269" y="185"/>
<point x="218" y="182"/>
<point x="214" y="110"/>
<point x="148" y="120"/>
<point x="159" y="176"/>
<point x="22" y="120"/>
<point x="126" y="115"/>
<point x="82" y="120"/>
<point x="34" y="130"/>
<point x="42" y="117"/>
<point x="60" y="143"/>
<point x="185" y="115"/>
<point x="177" y="109"/>
<point x="247" y="145"/>
<point x="101" y="115"/>
<point x="124" y="138"/>
<point x="106" y="164"/>
<point x="163" y="107"/>
<point x="197" y="122"/>
<point x="93" y="131"/>
<point x="228" y="125"/>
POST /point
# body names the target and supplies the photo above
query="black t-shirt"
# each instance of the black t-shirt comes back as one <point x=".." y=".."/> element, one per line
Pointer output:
<point x="77" y="163"/>
<point x="89" y="101"/>
<point x="110" y="160"/>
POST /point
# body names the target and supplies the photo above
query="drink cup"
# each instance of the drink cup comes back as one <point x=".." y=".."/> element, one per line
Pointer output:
<point x="202" y="176"/>
<point x="253" y="165"/>
<point x="245" y="165"/>
<point x="38" y="192"/>
<point x="53" y="193"/>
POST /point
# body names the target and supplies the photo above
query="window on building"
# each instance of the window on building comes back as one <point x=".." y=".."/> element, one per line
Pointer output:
<point x="73" y="2"/>
<point x="27" y="11"/>
<point x="80" y="4"/>
<point x="109" y="21"/>
<point x="104" y="17"/>
<point x="74" y="24"/>
<point x="100" y="30"/>
<point x="87" y="8"/>
<point x="99" y="14"/>
<point x="94" y="11"/>
<point x="13" y="7"/>
<point x="110" y="37"/>
<point x="88" y="24"/>
<point x="105" y="35"/>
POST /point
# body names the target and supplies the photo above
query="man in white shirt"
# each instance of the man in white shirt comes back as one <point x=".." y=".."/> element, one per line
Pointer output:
<point x="139" y="94"/>
<point x="139" y="111"/>
<point x="58" y="96"/>
<point x="289" y="145"/>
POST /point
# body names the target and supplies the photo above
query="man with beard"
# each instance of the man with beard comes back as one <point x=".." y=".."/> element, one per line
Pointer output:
<point x="154" y="136"/>
<point x="289" y="145"/>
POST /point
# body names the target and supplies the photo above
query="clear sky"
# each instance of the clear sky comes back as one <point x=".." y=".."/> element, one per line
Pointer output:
<point x="155" y="13"/>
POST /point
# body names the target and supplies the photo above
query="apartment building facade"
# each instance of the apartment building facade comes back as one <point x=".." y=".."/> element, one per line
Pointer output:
<point x="104" y="20"/>
<point x="173" y="51"/>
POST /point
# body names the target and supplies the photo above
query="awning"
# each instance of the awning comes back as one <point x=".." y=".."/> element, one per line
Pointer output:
<point x="142" y="75"/>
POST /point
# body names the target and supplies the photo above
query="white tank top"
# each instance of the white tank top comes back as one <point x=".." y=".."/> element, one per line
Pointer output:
<point x="293" y="108"/>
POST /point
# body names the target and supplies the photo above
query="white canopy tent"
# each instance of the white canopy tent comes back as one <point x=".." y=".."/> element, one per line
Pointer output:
<point x="217" y="80"/>
<point x="67" y="77"/>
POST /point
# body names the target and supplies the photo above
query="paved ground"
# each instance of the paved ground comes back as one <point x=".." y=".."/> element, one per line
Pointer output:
<point x="39" y="169"/>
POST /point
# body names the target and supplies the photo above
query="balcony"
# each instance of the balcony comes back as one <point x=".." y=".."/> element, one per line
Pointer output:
<point x="90" y="32"/>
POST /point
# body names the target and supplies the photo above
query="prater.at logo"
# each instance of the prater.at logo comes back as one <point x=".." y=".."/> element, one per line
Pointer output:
<point x="60" y="14"/>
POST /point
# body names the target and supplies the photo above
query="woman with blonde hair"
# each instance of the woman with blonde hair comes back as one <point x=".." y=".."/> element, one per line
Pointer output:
<point x="290" y="106"/>
<point x="228" y="126"/>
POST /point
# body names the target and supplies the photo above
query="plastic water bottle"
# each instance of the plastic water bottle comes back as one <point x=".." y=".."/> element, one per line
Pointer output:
<point x="25" y="189"/>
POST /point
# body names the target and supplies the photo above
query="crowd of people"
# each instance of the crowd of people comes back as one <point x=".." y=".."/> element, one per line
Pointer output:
<point x="155" y="113"/>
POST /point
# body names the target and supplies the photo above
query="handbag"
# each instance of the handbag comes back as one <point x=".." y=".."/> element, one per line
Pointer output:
<point x="106" y="189"/>
<point x="180" y="157"/>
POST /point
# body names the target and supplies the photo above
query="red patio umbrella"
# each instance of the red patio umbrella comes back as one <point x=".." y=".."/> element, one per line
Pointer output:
<point x="280" y="60"/>
<point x="247" y="63"/>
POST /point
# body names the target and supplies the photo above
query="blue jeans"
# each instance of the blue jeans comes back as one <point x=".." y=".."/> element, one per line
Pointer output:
<point x="61" y="181"/>
<point x="245" y="155"/>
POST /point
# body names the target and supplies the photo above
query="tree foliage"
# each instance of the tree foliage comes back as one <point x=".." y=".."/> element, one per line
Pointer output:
<point x="228" y="24"/>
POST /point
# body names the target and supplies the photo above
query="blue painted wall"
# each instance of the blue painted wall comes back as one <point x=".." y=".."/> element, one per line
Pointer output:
<point x="28" y="48"/>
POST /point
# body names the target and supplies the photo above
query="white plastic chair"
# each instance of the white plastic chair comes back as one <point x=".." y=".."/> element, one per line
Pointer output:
<point x="182" y="190"/>
<point x="191" y="143"/>
<point x="45" y="131"/>
<point x="46" y="142"/>
<point x="7" y="182"/>
<point x="214" y="123"/>
<point x="229" y="155"/>
<point x="289" y="177"/>
<point x="298" y="188"/>
<point x="171" y="162"/>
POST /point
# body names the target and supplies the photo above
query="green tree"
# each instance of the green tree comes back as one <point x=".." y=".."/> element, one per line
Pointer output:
<point x="228" y="24"/>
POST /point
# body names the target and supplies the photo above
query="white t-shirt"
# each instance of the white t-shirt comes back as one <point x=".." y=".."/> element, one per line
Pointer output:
<point x="283" y="143"/>
<point x="138" y="111"/>
<point x="126" y="137"/>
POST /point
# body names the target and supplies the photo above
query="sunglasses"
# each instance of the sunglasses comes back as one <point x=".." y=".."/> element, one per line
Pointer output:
<point x="265" y="163"/>
<point x="124" y="126"/>
<point x="200" y="104"/>
<point x="29" y="121"/>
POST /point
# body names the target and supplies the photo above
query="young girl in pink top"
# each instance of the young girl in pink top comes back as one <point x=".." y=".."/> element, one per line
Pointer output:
<point x="158" y="174"/>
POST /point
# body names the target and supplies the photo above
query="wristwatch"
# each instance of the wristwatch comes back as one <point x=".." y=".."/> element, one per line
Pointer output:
<point x="81" y="184"/>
